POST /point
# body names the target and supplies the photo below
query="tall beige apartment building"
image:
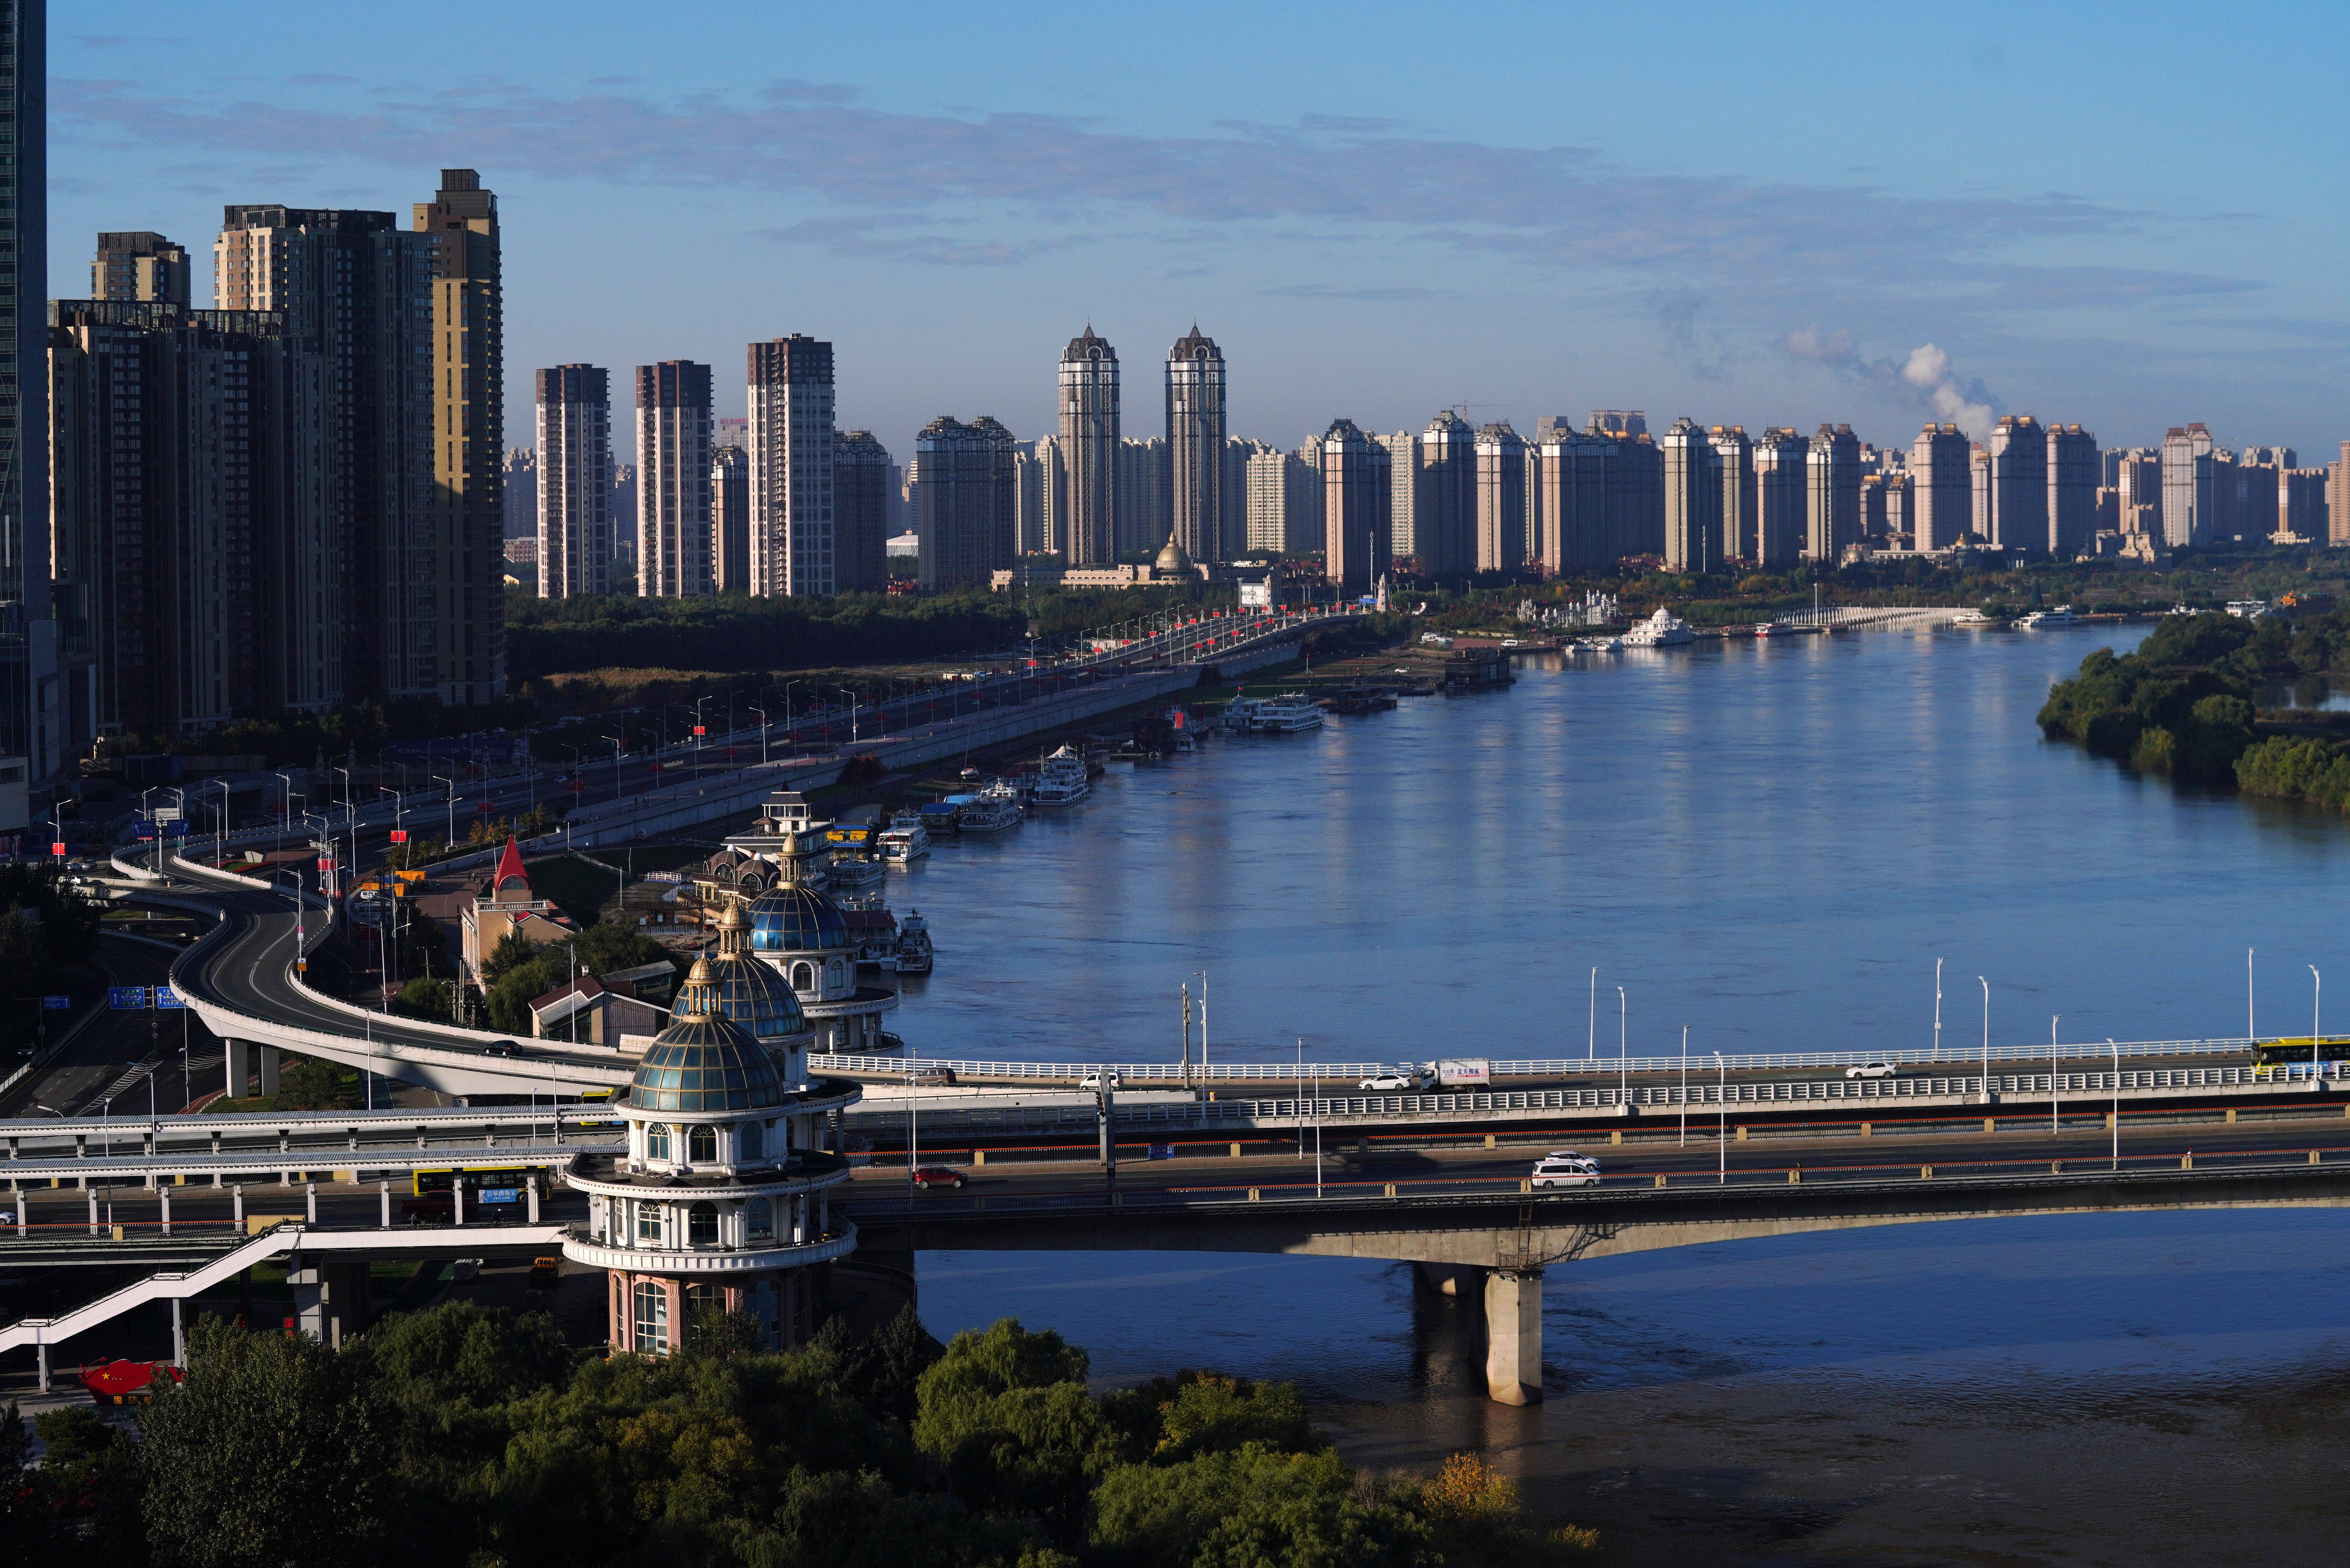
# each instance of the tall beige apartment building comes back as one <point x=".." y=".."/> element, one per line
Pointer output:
<point x="2019" y="485"/>
<point x="1088" y="450"/>
<point x="1501" y="538"/>
<point x="791" y="467"/>
<point x="139" y="265"/>
<point x="575" y="481"/>
<point x="1196" y="434"/>
<point x="1692" y="498"/>
<point x="677" y="543"/>
<point x="466" y="651"/>
<point x="1942" y="493"/>
<point x="1355" y="501"/>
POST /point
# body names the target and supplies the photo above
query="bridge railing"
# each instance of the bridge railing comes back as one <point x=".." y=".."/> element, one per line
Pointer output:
<point x="1274" y="1070"/>
<point x="1254" y="1112"/>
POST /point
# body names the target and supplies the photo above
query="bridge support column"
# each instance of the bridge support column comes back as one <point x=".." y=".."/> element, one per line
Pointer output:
<point x="1513" y="1335"/>
<point x="269" y="1054"/>
<point x="44" y="1350"/>
<point x="330" y="1296"/>
<point x="236" y="1203"/>
<point x="240" y="1066"/>
<point x="179" y="1336"/>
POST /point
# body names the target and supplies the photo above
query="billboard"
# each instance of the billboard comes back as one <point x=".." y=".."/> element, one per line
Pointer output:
<point x="1464" y="1071"/>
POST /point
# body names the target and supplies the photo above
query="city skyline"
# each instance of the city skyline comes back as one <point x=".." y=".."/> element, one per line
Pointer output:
<point x="1372" y="242"/>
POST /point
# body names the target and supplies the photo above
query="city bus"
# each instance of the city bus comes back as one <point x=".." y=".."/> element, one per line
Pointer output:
<point x="2291" y="1057"/>
<point x="474" y="1177"/>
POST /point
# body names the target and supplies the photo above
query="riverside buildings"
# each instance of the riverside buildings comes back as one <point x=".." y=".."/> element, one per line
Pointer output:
<point x="1831" y="494"/>
<point x="1501" y="456"/>
<point x="676" y="543"/>
<point x="1196" y="439"/>
<point x="792" y="521"/>
<point x="1693" y="499"/>
<point x="1941" y="489"/>
<point x="864" y="485"/>
<point x="2019" y="485"/>
<point x="141" y="266"/>
<point x="1355" y="478"/>
<point x="1444" y="496"/>
<point x="966" y="494"/>
<point x="1088" y="450"/>
<point x="575" y="482"/>
<point x="2187" y="498"/>
<point x="1741" y="526"/>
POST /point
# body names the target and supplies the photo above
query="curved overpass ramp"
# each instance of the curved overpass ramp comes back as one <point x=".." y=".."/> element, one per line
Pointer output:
<point x="239" y="978"/>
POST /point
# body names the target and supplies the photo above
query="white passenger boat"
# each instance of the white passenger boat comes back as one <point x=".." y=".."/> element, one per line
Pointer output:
<point x="996" y="808"/>
<point x="904" y="845"/>
<point x="1062" y="780"/>
<point x="1272" y="715"/>
<point x="851" y="871"/>
<point x="2061" y="616"/>
<point x="914" y="949"/>
<point x="1662" y="630"/>
<point x="1600" y="644"/>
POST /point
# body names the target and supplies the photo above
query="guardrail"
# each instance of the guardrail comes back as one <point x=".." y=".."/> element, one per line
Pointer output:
<point x="1243" y="1113"/>
<point x="1275" y="1070"/>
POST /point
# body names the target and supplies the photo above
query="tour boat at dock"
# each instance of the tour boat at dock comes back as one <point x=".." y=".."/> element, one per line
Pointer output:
<point x="914" y="949"/>
<point x="1062" y="780"/>
<point x="904" y="845"/>
<point x="1662" y="630"/>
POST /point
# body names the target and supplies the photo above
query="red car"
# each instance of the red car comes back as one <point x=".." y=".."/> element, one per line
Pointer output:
<point x="937" y="1176"/>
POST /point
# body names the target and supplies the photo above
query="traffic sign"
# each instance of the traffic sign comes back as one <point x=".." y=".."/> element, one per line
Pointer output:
<point x="166" y="997"/>
<point x="57" y="1004"/>
<point x="167" y="814"/>
<point x="127" y="998"/>
<point x="175" y="830"/>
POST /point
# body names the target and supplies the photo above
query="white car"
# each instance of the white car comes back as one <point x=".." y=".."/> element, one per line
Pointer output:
<point x="1870" y="1070"/>
<point x="1565" y="1168"/>
<point x="1093" y="1081"/>
<point x="1391" y="1081"/>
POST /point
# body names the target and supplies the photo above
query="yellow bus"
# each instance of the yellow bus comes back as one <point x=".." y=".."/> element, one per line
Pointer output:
<point x="474" y="1177"/>
<point x="2285" y="1057"/>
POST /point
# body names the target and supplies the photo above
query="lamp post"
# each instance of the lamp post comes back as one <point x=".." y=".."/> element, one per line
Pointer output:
<point x="1721" y="1136"/>
<point x="1684" y="1085"/>
<point x="1203" y="1037"/>
<point x="451" y="842"/>
<point x="2052" y="1072"/>
<point x="2252" y="1036"/>
<point x="287" y="781"/>
<point x="1986" y="1057"/>
<point x="1937" y="1009"/>
<point x="2316" y="994"/>
<point x="2117" y="1102"/>
<point x="1591" y="1024"/>
<point x="1623" y="1062"/>
<point x="763" y="731"/>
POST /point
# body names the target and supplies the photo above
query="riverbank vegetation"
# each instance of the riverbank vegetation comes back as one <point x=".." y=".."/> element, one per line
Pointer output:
<point x="477" y="1439"/>
<point x="2187" y="702"/>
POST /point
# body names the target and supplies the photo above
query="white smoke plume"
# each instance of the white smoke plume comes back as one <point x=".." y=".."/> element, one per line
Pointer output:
<point x="1928" y="371"/>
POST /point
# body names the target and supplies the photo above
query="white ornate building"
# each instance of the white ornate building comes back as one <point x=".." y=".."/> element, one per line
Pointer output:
<point x="720" y="1203"/>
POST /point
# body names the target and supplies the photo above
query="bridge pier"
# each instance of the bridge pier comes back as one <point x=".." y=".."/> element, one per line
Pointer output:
<point x="240" y="1067"/>
<point x="330" y="1296"/>
<point x="1457" y="1279"/>
<point x="269" y="1054"/>
<point x="1513" y="1335"/>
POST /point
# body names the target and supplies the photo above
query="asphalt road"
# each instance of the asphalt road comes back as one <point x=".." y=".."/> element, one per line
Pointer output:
<point x="1202" y="1171"/>
<point x="113" y="1045"/>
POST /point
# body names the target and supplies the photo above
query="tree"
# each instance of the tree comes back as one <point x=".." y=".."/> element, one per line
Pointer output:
<point x="1008" y="1412"/>
<point x="423" y="999"/>
<point x="305" y="1084"/>
<point x="1249" y="1509"/>
<point x="273" y="1450"/>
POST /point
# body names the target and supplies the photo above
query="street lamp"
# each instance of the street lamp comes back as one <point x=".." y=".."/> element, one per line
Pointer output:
<point x="2316" y="992"/>
<point x="2117" y="1102"/>
<point x="1986" y="1063"/>
<point x="2051" y="1071"/>
<point x="440" y="778"/>
<point x="1721" y="1137"/>
<point x="2252" y="1036"/>
<point x="287" y="781"/>
<point x="1937" y="1009"/>
<point x="1591" y="1022"/>
<point x="763" y="731"/>
<point x="1623" y="1062"/>
<point x="1684" y="1085"/>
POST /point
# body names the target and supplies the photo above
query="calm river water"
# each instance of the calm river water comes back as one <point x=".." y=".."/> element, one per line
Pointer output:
<point x="1770" y="843"/>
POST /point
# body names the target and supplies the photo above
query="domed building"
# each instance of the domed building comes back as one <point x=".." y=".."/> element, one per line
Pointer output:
<point x="757" y="996"/>
<point x="803" y="934"/>
<point x="721" y="1202"/>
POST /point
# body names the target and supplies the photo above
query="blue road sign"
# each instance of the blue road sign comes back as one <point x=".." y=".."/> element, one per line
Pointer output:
<point x="175" y="830"/>
<point x="166" y="997"/>
<point x="145" y="830"/>
<point x="1163" y="1151"/>
<point x="57" y="1004"/>
<point x="127" y="998"/>
<point x="501" y="1194"/>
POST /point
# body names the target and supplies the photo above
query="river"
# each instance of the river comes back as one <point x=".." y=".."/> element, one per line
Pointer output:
<point x="1769" y="843"/>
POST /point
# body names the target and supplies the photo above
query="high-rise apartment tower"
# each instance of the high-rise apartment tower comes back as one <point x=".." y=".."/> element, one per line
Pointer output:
<point x="139" y="265"/>
<point x="1355" y="502"/>
<point x="1196" y="434"/>
<point x="792" y="536"/>
<point x="864" y="485"/>
<point x="462" y="657"/>
<point x="575" y="481"/>
<point x="677" y="544"/>
<point x="1941" y="492"/>
<point x="1089" y="450"/>
<point x="1693" y="499"/>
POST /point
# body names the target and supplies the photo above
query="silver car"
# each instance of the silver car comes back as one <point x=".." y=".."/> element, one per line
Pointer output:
<point x="1565" y="1168"/>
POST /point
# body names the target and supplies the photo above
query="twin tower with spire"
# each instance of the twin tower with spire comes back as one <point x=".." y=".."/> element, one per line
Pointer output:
<point x="1202" y="506"/>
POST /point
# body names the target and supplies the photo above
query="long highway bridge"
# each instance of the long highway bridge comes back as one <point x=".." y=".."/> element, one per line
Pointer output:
<point x="1240" y="1160"/>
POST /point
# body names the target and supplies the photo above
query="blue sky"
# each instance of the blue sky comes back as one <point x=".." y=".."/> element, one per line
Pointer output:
<point x="2127" y="216"/>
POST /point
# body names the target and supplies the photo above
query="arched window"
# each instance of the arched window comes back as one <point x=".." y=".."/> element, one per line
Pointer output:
<point x="750" y="1142"/>
<point x="832" y="976"/>
<point x="648" y="1223"/>
<point x="652" y="1318"/>
<point x="702" y="1299"/>
<point x="759" y="1221"/>
<point x="702" y="1144"/>
<point x="702" y="1224"/>
<point x="656" y="1141"/>
<point x="803" y="977"/>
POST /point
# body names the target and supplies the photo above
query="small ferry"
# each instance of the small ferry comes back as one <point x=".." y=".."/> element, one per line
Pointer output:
<point x="992" y="810"/>
<point x="904" y="845"/>
<point x="1272" y="715"/>
<point x="848" y="871"/>
<point x="1062" y="780"/>
<point x="1662" y="630"/>
<point x="2061" y="616"/>
<point x="914" y="951"/>
<point x="1599" y="645"/>
<point x="1971" y="618"/>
